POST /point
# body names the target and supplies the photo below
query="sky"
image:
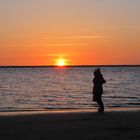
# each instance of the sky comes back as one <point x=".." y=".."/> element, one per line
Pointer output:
<point x="79" y="32"/>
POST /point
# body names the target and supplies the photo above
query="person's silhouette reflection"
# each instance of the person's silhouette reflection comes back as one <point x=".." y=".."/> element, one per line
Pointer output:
<point x="98" y="81"/>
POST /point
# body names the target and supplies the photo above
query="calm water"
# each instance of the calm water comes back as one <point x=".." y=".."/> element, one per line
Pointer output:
<point x="66" y="88"/>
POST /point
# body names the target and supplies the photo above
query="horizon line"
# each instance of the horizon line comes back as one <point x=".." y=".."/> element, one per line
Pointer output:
<point x="114" y="65"/>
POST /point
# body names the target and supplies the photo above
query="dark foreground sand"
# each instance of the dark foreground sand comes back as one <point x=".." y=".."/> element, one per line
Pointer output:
<point x="71" y="126"/>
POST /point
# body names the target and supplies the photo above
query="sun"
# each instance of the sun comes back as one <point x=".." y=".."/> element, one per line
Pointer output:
<point x="61" y="62"/>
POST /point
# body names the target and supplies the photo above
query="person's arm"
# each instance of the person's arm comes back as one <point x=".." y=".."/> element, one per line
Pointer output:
<point x="103" y="80"/>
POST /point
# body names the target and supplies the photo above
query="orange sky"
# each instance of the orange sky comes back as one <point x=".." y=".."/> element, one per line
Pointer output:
<point x="83" y="32"/>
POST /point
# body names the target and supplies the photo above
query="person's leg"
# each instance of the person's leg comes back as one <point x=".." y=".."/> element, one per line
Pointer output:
<point x="101" y="105"/>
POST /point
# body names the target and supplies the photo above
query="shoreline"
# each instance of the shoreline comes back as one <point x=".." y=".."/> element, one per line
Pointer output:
<point x="58" y="111"/>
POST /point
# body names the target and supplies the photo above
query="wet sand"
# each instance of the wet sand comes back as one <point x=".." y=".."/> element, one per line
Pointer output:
<point x="71" y="126"/>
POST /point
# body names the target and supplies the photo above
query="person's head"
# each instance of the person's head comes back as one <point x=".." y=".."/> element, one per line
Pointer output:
<point x="97" y="72"/>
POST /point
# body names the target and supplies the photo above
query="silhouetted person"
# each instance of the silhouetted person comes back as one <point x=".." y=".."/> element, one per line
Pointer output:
<point x="98" y="81"/>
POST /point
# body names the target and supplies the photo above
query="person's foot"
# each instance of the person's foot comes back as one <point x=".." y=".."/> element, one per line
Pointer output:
<point x="101" y="110"/>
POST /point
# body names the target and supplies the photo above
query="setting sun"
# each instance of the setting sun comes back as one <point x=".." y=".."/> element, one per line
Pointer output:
<point x="60" y="62"/>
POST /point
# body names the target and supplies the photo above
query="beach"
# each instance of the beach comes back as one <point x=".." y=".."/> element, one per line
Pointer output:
<point x="70" y="125"/>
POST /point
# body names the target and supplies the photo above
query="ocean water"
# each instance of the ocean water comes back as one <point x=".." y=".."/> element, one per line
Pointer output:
<point x="41" y="88"/>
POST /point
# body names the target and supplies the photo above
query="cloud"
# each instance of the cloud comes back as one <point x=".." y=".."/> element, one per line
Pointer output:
<point x="61" y="45"/>
<point x="53" y="54"/>
<point x="76" y="37"/>
<point x="85" y="37"/>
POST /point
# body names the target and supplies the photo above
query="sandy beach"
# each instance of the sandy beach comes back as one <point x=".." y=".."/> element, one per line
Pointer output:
<point x="71" y="126"/>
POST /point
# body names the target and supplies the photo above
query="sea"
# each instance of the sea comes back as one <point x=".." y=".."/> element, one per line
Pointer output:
<point x="58" y="88"/>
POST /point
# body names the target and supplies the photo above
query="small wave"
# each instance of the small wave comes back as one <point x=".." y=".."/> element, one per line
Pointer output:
<point x="136" y="104"/>
<point x="121" y="97"/>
